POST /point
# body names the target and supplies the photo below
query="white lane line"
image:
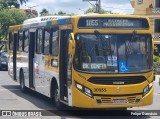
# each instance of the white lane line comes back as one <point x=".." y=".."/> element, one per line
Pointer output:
<point x="8" y="89"/>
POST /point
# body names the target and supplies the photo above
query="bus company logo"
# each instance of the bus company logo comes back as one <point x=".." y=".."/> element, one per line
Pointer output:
<point x="118" y="89"/>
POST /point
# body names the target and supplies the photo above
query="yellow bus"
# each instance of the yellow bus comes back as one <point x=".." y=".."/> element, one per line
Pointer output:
<point x="87" y="61"/>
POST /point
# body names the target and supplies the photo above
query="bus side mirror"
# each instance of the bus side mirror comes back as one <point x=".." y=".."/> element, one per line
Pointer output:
<point x="71" y="47"/>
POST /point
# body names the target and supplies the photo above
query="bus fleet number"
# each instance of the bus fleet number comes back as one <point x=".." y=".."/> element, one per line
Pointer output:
<point x="92" y="22"/>
<point x="100" y="90"/>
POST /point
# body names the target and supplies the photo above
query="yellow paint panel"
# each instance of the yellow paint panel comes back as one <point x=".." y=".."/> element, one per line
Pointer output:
<point x="61" y="27"/>
<point x="15" y="28"/>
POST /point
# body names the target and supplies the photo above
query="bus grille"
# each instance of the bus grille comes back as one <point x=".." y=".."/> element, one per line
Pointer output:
<point x="106" y="100"/>
<point x="131" y="99"/>
<point x="117" y="80"/>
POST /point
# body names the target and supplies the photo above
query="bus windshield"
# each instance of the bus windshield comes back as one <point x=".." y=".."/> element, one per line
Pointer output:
<point x="113" y="53"/>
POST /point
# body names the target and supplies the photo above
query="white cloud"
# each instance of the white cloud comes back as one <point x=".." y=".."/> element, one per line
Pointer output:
<point x="118" y="8"/>
<point x="78" y="6"/>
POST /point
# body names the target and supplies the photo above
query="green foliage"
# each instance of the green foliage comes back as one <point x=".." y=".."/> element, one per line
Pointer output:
<point x="44" y="12"/>
<point x="156" y="64"/>
<point x="23" y="1"/>
<point x="93" y="10"/>
<point x="61" y="13"/>
<point x="156" y="49"/>
<point x="10" y="17"/>
<point x="11" y="3"/>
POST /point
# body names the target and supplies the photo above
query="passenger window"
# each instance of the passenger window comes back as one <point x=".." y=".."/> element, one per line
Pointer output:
<point x="54" y="43"/>
<point x="46" y="40"/>
<point x="11" y="41"/>
<point x="20" y="41"/>
<point x="26" y="41"/>
<point x="39" y="41"/>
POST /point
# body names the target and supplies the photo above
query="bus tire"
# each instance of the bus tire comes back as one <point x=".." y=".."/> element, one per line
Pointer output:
<point x="56" y="97"/>
<point x="22" y="83"/>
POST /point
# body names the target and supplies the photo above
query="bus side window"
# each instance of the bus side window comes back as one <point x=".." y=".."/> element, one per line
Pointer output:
<point x="20" y="40"/>
<point x="26" y="41"/>
<point x="46" y="40"/>
<point x="54" y="42"/>
<point x="10" y="41"/>
<point x="39" y="41"/>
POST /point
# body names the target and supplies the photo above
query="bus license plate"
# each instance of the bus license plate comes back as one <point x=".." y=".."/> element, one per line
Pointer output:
<point x="119" y="101"/>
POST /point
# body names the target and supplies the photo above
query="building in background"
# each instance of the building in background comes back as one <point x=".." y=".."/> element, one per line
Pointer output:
<point x="29" y="12"/>
<point x="151" y="9"/>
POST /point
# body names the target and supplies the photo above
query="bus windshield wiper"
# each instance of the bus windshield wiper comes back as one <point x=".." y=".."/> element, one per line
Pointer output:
<point x="128" y="47"/>
<point x="108" y="43"/>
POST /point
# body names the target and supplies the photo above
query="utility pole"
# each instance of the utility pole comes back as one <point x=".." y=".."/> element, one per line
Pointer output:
<point x="98" y="5"/>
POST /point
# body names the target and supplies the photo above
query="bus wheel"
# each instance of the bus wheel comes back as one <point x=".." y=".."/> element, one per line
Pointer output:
<point x="22" y="84"/>
<point x="56" y="97"/>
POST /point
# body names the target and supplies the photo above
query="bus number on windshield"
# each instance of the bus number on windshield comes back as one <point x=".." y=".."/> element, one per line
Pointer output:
<point x="91" y="22"/>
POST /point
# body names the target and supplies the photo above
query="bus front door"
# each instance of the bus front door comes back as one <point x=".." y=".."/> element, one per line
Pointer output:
<point x="31" y="59"/>
<point x="63" y="69"/>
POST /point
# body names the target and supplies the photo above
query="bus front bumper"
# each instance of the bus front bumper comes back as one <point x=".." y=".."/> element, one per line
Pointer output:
<point x="83" y="101"/>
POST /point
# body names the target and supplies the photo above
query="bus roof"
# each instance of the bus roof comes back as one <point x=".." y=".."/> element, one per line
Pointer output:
<point x="47" y="20"/>
<point x="110" y="15"/>
<point x="43" y="19"/>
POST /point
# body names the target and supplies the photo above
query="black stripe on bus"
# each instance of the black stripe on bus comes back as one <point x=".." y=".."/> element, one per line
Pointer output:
<point x="118" y="95"/>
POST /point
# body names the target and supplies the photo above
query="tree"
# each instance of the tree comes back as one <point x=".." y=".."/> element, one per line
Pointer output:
<point x="23" y="1"/>
<point x="3" y="4"/>
<point x="10" y="17"/>
<point x="10" y="3"/>
<point x="93" y="10"/>
<point x="61" y="13"/>
<point x="44" y="12"/>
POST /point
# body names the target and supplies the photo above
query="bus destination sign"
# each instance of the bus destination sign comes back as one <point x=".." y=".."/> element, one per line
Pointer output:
<point x="136" y="23"/>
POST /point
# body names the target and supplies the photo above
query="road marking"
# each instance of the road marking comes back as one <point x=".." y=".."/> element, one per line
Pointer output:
<point x="8" y="99"/>
<point x="157" y="94"/>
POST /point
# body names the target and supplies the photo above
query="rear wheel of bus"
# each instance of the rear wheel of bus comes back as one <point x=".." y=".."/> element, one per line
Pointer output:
<point x="22" y="83"/>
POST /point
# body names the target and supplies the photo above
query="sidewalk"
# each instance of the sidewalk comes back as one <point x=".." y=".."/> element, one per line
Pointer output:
<point x="157" y="78"/>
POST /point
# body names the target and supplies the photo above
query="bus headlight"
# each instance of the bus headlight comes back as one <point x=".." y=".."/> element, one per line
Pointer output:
<point x="88" y="92"/>
<point x="147" y="88"/>
<point x="150" y="85"/>
<point x="80" y="87"/>
<point x="84" y="89"/>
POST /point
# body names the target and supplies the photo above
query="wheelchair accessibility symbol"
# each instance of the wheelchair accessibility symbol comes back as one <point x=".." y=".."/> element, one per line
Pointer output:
<point x="123" y="67"/>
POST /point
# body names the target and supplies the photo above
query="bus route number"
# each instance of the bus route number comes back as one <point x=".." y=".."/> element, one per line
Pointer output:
<point x="91" y="22"/>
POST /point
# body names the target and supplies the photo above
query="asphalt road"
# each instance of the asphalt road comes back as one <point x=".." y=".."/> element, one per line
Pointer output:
<point x="11" y="98"/>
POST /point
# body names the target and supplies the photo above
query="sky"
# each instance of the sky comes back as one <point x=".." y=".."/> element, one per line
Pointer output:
<point x="78" y="6"/>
